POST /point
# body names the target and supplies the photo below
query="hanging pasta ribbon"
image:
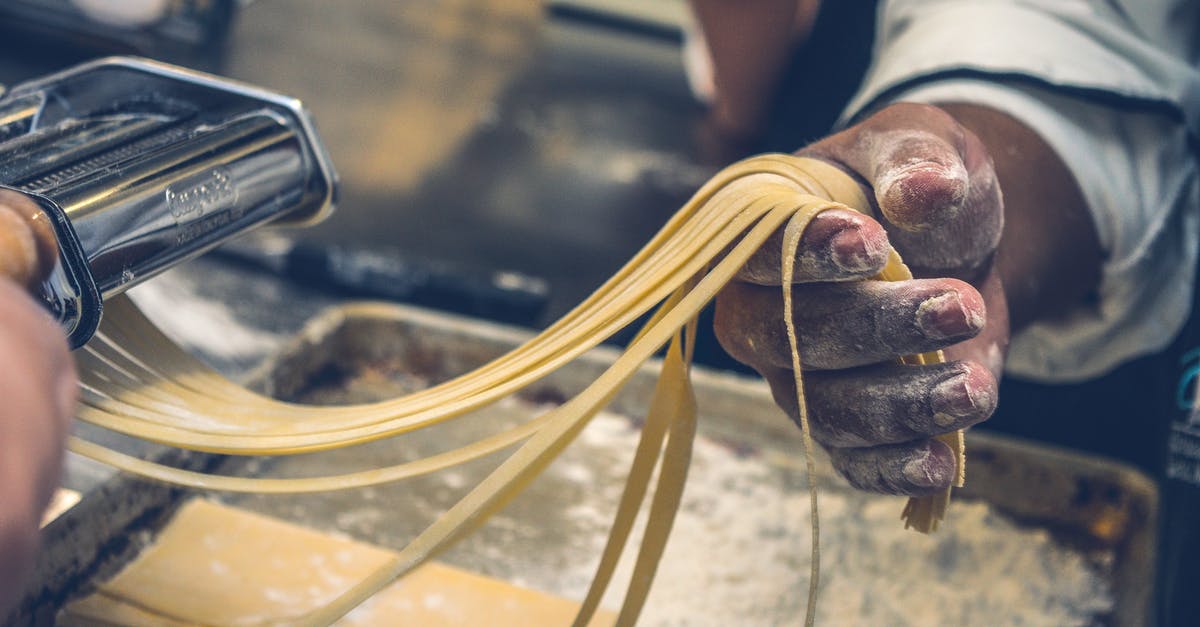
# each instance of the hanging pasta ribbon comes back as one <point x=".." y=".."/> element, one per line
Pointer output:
<point x="138" y="383"/>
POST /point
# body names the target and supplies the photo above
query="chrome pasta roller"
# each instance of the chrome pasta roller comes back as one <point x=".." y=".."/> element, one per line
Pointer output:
<point x="123" y="167"/>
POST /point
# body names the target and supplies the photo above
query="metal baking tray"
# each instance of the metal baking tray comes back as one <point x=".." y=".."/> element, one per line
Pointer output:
<point x="1038" y="536"/>
<point x="742" y="536"/>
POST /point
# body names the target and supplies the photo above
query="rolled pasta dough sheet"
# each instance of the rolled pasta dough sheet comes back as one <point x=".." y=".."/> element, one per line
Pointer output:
<point x="218" y="565"/>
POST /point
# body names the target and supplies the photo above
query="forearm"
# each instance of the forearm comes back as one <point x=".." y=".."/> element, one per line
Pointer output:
<point x="750" y="43"/>
<point x="38" y="391"/>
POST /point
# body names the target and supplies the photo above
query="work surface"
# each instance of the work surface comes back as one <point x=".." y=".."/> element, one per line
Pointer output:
<point x="1073" y="549"/>
<point x="741" y="537"/>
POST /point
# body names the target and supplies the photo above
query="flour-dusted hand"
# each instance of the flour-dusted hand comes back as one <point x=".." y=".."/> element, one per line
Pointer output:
<point x="939" y="203"/>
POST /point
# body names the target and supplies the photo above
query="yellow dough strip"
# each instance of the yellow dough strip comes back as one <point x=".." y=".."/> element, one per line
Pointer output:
<point x="426" y="465"/>
<point x="668" y="494"/>
<point x="526" y="463"/>
<point x="139" y="383"/>
<point x="791" y="243"/>
<point x="672" y="395"/>
<point x="143" y="331"/>
<point x="226" y="443"/>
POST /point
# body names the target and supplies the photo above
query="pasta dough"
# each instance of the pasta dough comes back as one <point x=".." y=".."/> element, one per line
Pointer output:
<point x="136" y="382"/>
<point x="218" y="565"/>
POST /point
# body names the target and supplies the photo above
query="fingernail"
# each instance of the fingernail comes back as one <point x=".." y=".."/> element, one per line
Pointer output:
<point x="851" y="251"/>
<point x="916" y="196"/>
<point x="944" y="317"/>
<point x="925" y="471"/>
<point x="955" y="398"/>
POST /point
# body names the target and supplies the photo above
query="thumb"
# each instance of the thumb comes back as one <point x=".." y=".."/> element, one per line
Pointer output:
<point x="919" y="178"/>
<point x="933" y="184"/>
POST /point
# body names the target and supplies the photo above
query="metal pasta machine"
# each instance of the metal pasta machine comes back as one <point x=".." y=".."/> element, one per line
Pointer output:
<point x="136" y="166"/>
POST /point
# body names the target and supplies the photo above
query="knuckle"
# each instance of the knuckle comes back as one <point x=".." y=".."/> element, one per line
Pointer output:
<point x="966" y="397"/>
<point x="911" y="469"/>
<point x="735" y="327"/>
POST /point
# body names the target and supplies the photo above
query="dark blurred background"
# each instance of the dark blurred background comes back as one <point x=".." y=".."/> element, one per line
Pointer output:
<point x="550" y="139"/>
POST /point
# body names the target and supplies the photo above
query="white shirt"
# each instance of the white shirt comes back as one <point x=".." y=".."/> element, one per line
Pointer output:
<point x="1114" y="88"/>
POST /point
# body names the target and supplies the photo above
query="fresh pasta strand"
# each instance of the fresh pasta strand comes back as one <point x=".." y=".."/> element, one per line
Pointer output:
<point x="138" y="383"/>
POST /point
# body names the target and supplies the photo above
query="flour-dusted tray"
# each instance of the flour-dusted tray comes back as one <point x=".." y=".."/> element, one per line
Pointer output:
<point x="1038" y="536"/>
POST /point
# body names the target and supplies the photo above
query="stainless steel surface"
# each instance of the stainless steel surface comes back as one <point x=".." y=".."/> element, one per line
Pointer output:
<point x="152" y="165"/>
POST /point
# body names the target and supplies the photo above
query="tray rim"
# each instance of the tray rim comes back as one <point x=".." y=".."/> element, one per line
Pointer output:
<point x="1133" y="575"/>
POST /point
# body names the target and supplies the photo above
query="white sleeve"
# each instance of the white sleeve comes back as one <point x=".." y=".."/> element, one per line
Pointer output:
<point x="1139" y="179"/>
<point x="1093" y="48"/>
<point x="1122" y="130"/>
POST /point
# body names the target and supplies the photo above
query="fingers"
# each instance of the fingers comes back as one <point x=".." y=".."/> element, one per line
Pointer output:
<point x="932" y="180"/>
<point x="846" y="325"/>
<point x="889" y="404"/>
<point x="27" y="242"/>
<point x="909" y="469"/>
<point x="938" y="202"/>
<point x="838" y="245"/>
<point x="919" y="176"/>
<point x="878" y="423"/>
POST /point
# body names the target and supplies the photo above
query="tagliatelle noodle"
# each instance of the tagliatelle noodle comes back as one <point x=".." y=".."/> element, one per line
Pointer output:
<point x="137" y="382"/>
